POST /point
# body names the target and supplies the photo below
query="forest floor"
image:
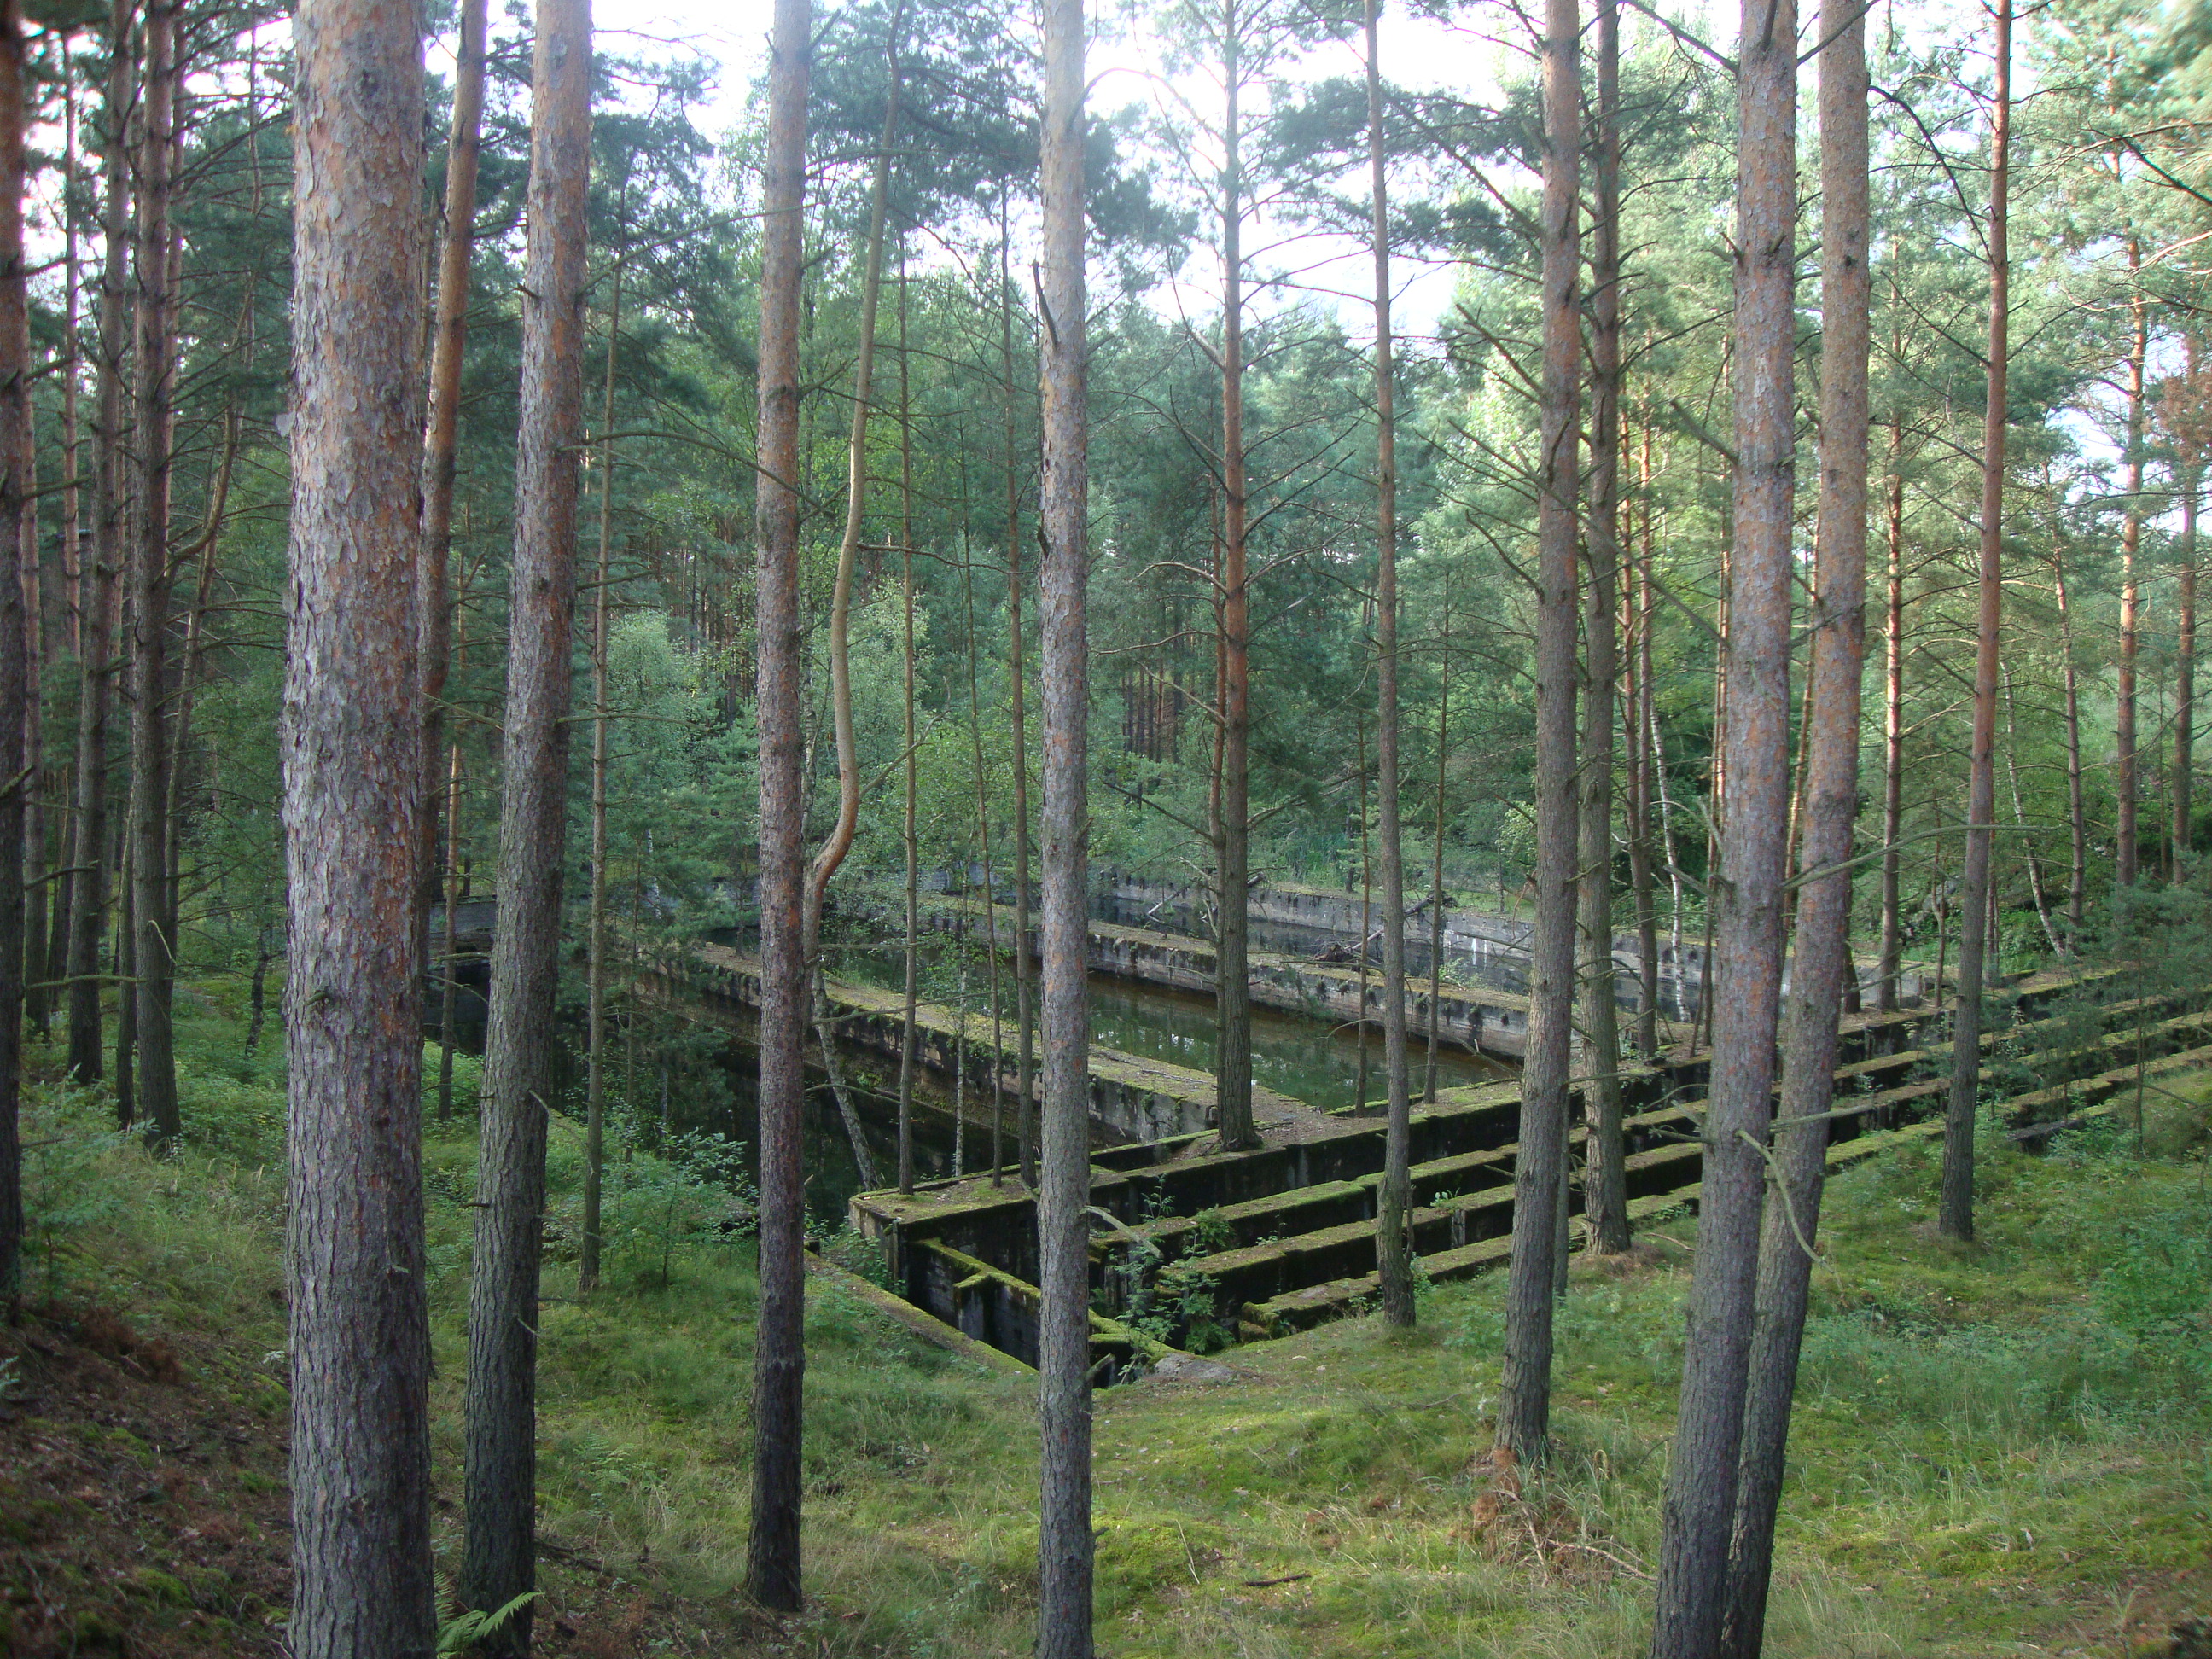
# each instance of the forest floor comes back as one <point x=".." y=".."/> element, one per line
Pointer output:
<point x="2004" y="1448"/>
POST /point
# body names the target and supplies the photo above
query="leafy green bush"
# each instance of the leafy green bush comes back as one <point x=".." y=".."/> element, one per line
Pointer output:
<point x="2159" y="1290"/>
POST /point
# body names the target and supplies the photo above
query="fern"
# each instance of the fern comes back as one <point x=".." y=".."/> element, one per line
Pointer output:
<point x="476" y="1626"/>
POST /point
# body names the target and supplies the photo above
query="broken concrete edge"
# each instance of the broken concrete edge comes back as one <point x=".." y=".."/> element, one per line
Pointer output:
<point x="1313" y="1304"/>
<point x="918" y="1321"/>
<point x="2099" y="1094"/>
<point x="1112" y="1330"/>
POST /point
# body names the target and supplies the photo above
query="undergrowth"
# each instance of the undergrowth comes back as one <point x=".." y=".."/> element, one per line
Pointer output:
<point x="1998" y="1448"/>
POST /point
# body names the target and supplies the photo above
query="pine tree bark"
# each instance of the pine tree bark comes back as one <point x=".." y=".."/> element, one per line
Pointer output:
<point x="909" y="838"/>
<point x="1393" y="1256"/>
<point x="2078" y="811"/>
<point x="498" y="1561"/>
<point x="1831" y="796"/>
<point x="1605" y="1182"/>
<point x="840" y="843"/>
<point x="1698" y="1508"/>
<point x="595" y="921"/>
<point x="15" y="685"/>
<point x="1233" y="827"/>
<point x="1955" y="1216"/>
<point x="2184" y="675"/>
<point x="361" y="1337"/>
<point x="1636" y="721"/>
<point x="56" y="964"/>
<point x="38" y="634"/>
<point x="1524" y="1408"/>
<point x="772" y="1560"/>
<point x="89" y="894"/>
<point x="1886" y="988"/>
<point x="1064" y="1537"/>
<point x="441" y="440"/>
<point x="151" y="755"/>
<point x="2127" y="835"/>
<point x="1436" y="855"/>
<point x="1024" y="1013"/>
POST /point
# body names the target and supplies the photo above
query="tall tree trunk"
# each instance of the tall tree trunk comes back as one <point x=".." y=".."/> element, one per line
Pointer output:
<point x="14" y="686"/>
<point x="440" y="438"/>
<point x="1366" y="908"/>
<point x="1024" y="1015"/>
<point x="1831" y="797"/>
<point x="126" y="974"/>
<point x="72" y="577"/>
<point x="1605" y="1181"/>
<point x="832" y="852"/>
<point x="779" y="1354"/>
<point x="1635" y="719"/>
<point x="1886" y="988"/>
<point x="910" y="837"/>
<point x="150" y="755"/>
<point x="595" y="921"/>
<point x="2128" y="835"/>
<point x="2077" y="813"/>
<point x="89" y="894"/>
<point x="38" y="633"/>
<point x="1955" y="1210"/>
<point x="189" y="666"/>
<point x="450" y="950"/>
<point x="990" y="884"/>
<point x="2184" y="675"/>
<point x="1393" y="1256"/>
<point x="361" y="1334"/>
<point x="1064" y="1538"/>
<point x="1700" y="1505"/>
<point x="499" y="1558"/>
<point x="1436" y="857"/>
<point x="1524" y="1408"/>
<point x="1233" y="855"/>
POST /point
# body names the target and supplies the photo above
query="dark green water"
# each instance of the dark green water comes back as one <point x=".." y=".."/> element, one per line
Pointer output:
<point x="1305" y="1058"/>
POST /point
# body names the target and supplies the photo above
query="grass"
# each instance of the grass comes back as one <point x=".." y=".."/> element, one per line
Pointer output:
<point x="1998" y="1449"/>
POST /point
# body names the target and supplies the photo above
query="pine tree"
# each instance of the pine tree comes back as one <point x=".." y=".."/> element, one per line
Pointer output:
<point x="361" y="1337"/>
<point x="498" y="1561"/>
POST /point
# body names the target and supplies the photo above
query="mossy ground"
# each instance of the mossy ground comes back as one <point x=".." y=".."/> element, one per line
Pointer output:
<point x="1998" y="1449"/>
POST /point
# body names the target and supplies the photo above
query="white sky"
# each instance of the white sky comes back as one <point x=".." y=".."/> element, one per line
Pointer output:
<point x="1417" y="54"/>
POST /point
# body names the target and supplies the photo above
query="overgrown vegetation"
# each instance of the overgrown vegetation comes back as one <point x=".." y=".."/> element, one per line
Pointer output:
<point x="2001" y="1448"/>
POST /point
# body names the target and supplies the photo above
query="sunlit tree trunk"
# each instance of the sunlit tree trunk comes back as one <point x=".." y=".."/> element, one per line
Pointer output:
<point x="1955" y="1210"/>
<point x="778" y="1355"/>
<point x="498" y="1561"/>
<point x="1064" y="1536"/>
<point x="1605" y="1185"/>
<point x="1524" y="1409"/>
<point x="362" y="1585"/>
<point x="1698" y="1509"/>
<point x="1830" y="798"/>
